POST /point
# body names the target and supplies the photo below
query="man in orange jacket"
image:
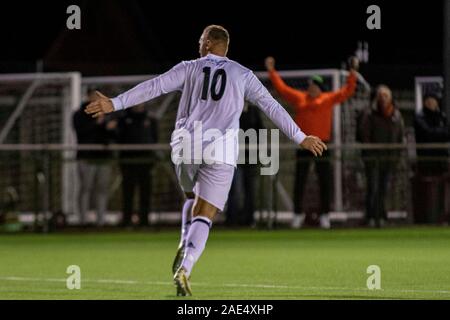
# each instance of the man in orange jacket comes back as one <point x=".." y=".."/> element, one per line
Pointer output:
<point x="313" y="113"/>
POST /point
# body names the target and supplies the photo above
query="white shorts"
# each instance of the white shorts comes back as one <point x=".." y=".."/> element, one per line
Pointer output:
<point x="209" y="182"/>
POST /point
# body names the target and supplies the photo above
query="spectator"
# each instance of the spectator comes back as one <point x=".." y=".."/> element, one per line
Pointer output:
<point x="429" y="183"/>
<point x="431" y="127"/>
<point x="93" y="166"/>
<point x="381" y="122"/>
<point x="136" y="127"/>
<point x="313" y="114"/>
<point x="245" y="176"/>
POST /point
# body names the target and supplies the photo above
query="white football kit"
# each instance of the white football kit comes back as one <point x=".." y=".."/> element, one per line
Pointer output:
<point x="214" y="89"/>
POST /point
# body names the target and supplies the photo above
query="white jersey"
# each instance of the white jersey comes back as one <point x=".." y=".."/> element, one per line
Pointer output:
<point x="214" y="89"/>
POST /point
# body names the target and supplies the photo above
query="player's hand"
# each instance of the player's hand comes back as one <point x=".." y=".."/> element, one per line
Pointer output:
<point x="353" y="63"/>
<point x="100" y="106"/>
<point x="270" y="63"/>
<point x="313" y="144"/>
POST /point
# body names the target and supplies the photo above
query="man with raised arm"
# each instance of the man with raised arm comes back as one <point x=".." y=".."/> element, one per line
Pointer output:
<point x="313" y="113"/>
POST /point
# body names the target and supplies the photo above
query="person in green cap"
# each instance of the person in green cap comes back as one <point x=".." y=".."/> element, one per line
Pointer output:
<point x="313" y="113"/>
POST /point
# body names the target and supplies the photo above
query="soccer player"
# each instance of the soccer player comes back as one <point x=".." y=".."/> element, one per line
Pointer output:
<point x="213" y="92"/>
<point x="313" y="113"/>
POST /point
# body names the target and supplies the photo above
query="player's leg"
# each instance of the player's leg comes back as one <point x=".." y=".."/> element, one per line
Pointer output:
<point x="212" y="185"/>
<point x="186" y="216"/>
<point x="203" y="213"/>
<point x="186" y="174"/>
<point x="202" y="216"/>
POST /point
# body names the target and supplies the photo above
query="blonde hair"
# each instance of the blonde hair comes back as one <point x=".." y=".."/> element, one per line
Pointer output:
<point x="217" y="33"/>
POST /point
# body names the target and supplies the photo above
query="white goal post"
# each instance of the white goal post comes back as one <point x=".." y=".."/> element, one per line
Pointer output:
<point x="37" y="108"/>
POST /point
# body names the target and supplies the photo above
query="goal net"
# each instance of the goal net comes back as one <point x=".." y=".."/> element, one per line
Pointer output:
<point x="36" y="110"/>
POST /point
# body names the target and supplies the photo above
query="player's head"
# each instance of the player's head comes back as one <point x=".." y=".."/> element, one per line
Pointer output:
<point x="214" y="39"/>
<point x="315" y="86"/>
<point x="431" y="102"/>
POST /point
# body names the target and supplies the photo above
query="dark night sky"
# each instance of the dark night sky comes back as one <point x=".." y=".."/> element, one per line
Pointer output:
<point x="307" y="34"/>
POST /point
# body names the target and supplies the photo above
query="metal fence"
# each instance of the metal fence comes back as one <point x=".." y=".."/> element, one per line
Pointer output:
<point x="40" y="197"/>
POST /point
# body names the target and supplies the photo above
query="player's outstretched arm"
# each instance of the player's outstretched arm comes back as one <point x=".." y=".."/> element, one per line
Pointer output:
<point x="313" y="144"/>
<point x="170" y="81"/>
<point x="100" y="106"/>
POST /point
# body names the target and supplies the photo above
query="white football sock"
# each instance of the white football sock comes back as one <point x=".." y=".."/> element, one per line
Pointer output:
<point x="186" y="215"/>
<point x="195" y="242"/>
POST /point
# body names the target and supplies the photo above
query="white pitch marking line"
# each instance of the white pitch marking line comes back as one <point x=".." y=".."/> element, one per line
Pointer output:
<point x="232" y="285"/>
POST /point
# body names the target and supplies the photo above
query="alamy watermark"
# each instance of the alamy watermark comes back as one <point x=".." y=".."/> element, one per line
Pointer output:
<point x="74" y="279"/>
<point x="73" y="22"/>
<point x="374" y="280"/>
<point x="374" y="20"/>
<point x="232" y="146"/>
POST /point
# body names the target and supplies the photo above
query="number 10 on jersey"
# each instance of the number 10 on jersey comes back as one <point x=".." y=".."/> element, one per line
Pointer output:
<point x="219" y="73"/>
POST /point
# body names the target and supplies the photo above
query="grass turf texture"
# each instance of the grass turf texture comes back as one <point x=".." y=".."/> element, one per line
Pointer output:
<point x="285" y="264"/>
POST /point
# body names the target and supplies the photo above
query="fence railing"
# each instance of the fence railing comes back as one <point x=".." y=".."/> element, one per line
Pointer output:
<point x="166" y="147"/>
<point x="35" y="170"/>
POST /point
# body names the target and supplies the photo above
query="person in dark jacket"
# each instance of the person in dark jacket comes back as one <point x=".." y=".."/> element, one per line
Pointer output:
<point x="432" y="164"/>
<point x="136" y="127"/>
<point x="93" y="166"/>
<point x="245" y="176"/>
<point x="431" y="127"/>
<point x="381" y="122"/>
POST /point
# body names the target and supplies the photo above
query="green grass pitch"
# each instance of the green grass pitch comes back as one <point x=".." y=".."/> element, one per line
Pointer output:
<point x="250" y="264"/>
